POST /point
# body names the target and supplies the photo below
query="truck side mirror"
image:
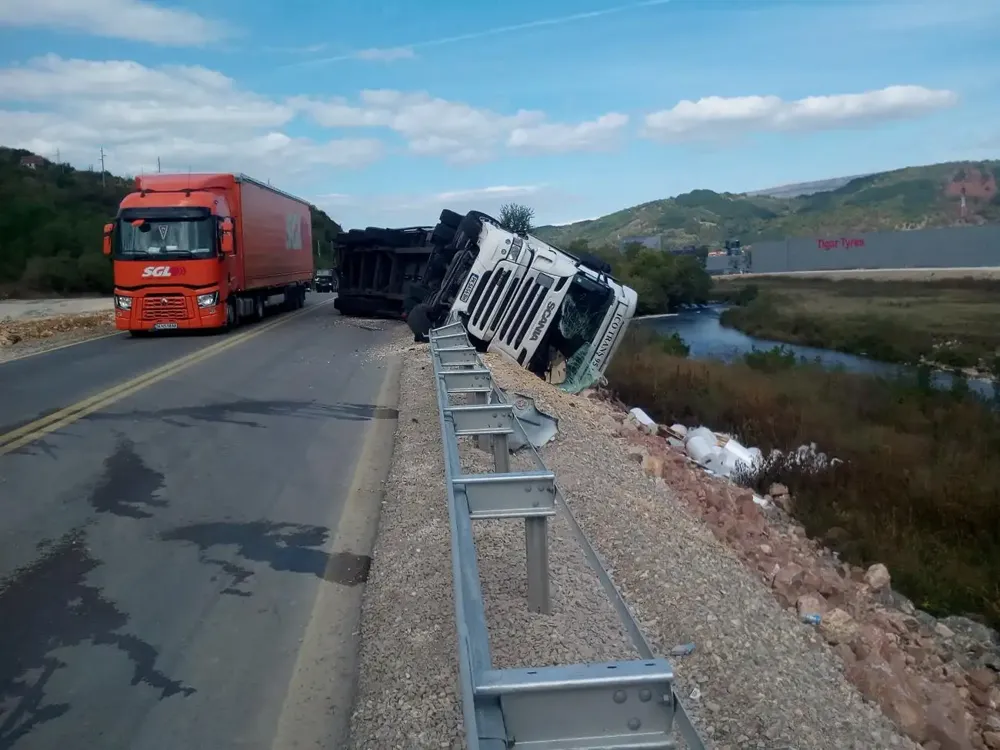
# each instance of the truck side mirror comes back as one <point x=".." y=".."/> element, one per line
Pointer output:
<point x="226" y="244"/>
<point x="108" y="229"/>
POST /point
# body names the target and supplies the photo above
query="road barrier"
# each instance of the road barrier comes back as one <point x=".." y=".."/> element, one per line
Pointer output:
<point x="615" y="705"/>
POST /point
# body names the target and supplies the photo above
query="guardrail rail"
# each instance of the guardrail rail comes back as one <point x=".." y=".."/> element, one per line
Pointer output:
<point x="614" y="705"/>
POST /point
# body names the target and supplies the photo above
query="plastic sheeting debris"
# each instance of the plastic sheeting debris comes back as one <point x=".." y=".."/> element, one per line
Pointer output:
<point x="539" y="427"/>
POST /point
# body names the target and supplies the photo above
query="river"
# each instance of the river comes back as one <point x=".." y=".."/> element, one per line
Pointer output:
<point x="709" y="339"/>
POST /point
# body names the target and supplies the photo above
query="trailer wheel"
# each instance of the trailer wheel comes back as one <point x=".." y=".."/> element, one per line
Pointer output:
<point x="451" y="218"/>
<point x="442" y="235"/>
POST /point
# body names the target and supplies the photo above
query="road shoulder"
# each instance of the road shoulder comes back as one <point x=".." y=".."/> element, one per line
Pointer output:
<point x="320" y="696"/>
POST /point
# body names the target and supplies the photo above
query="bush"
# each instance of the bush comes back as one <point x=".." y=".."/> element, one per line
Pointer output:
<point x="919" y="489"/>
<point x="770" y="360"/>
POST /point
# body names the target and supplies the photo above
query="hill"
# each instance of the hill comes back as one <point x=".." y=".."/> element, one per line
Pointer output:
<point x="799" y="189"/>
<point x="51" y="217"/>
<point x="910" y="198"/>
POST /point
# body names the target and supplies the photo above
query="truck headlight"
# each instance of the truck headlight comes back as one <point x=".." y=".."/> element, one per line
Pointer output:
<point x="123" y="303"/>
<point x="208" y="300"/>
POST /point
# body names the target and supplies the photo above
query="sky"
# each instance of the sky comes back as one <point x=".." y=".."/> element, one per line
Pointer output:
<point x="383" y="112"/>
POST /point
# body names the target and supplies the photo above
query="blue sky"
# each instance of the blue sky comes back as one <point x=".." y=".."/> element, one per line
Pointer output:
<point x="385" y="111"/>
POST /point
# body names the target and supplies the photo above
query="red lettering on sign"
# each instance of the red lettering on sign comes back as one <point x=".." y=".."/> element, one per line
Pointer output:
<point x="846" y="242"/>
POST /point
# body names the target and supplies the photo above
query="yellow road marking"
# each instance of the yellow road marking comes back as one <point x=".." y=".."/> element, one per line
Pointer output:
<point x="39" y="428"/>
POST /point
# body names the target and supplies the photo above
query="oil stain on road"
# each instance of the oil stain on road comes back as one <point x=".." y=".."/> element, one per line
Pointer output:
<point x="284" y="547"/>
<point x="48" y="606"/>
<point x="127" y="484"/>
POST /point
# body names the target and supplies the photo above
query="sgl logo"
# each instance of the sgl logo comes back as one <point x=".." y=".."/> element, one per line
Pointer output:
<point x="162" y="272"/>
<point x="293" y="232"/>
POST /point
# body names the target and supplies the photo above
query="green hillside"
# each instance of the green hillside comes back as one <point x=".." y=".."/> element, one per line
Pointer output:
<point x="908" y="198"/>
<point x="51" y="217"/>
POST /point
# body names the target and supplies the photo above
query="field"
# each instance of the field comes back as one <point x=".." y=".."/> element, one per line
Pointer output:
<point x="919" y="486"/>
<point x="949" y="322"/>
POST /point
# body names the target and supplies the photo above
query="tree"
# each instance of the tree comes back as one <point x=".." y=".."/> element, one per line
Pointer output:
<point x="516" y="218"/>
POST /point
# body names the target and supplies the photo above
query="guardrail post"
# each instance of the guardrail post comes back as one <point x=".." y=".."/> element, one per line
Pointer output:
<point x="537" y="554"/>
<point x="482" y="441"/>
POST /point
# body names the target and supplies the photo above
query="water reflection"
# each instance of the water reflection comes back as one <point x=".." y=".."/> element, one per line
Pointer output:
<point x="709" y="339"/>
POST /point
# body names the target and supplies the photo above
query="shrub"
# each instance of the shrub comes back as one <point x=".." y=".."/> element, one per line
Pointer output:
<point x="919" y="486"/>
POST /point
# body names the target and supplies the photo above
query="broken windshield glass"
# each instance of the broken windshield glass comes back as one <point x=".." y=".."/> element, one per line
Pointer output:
<point x="579" y="323"/>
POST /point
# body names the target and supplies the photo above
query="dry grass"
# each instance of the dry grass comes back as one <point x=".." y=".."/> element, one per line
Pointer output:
<point x="949" y="322"/>
<point x="920" y="486"/>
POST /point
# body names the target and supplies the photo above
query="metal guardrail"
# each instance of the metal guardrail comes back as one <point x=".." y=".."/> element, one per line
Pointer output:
<point x="620" y="705"/>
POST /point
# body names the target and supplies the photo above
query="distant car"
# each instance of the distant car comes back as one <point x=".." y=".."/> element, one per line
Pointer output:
<point x="324" y="281"/>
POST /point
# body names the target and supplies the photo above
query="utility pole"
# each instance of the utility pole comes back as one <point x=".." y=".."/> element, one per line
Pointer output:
<point x="157" y="164"/>
<point x="102" y="166"/>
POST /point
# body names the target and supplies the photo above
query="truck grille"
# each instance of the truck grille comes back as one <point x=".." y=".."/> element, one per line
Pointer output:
<point x="529" y="301"/>
<point x="496" y="294"/>
<point x="164" y="307"/>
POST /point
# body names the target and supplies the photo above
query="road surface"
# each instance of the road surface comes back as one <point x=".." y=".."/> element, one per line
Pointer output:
<point x="184" y="524"/>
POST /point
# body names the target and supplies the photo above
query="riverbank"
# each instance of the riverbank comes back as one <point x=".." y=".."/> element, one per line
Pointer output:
<point x="947" y="323"/>
<point x="919" y="484"/>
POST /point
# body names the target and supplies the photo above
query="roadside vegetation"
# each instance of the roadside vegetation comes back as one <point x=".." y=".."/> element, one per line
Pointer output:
<point x="51" y="218"/>
<point x="919" y="486"/>
<point x="951" y="323"/>
<point x="663" y="281"/>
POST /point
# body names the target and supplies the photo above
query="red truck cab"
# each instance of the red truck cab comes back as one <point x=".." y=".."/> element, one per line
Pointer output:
<point x="206" y="251"/>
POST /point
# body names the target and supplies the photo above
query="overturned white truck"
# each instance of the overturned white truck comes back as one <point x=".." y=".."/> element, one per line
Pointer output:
<point x="556" y="314"/>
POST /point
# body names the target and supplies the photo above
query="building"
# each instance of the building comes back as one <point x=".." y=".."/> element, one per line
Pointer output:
<point x="945" y="247"/>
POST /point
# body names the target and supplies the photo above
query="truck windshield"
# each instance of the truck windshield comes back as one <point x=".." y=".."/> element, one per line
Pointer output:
<point x="174" y="238"/>
<point x="580" y="320"/>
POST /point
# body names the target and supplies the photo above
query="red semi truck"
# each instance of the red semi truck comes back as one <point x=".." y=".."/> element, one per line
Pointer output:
<point x="206" y="251"/>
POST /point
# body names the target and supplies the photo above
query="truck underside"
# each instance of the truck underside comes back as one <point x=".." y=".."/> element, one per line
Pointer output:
<point x="377" y="268"/>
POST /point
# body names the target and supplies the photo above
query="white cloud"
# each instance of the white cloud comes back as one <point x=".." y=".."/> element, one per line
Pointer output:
<point x="412" y="209"/>
<point x="185" y="116"/>
<point x="389" y="54"/>
<point x="716" y="116"/>
<point x="556" y="138"/>
<point x="136" y="20"/>
<point x="460" y="132"/>
<point x="497" y="31"/>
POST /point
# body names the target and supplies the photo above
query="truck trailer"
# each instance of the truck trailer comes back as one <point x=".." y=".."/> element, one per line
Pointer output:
<point x="377" y="268"/>
<point x="195" y="251"/>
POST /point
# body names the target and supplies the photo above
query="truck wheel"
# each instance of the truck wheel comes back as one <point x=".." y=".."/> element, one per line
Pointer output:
<point x="442" y="235"/>
<point x="451" y="218"/>
<point x="258" y="309"/>
<point x="232" y="317"/>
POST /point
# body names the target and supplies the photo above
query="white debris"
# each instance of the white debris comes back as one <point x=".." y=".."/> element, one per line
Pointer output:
<point x="642" y="420"/>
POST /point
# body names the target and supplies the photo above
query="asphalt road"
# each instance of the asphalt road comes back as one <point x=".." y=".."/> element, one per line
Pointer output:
<point x="181" y="555"/>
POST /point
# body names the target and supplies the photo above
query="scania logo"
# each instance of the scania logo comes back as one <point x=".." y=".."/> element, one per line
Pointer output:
<point x="546" y="314"/>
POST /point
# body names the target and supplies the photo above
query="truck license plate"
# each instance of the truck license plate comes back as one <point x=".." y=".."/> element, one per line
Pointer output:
<point x="164" y="326"/>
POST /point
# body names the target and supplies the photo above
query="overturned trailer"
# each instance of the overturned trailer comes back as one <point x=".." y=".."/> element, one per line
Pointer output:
<point x="377" y="268"/>
<point x="559" y="315"/>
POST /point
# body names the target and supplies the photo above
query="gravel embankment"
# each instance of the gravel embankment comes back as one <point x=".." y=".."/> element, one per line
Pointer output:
<point x="758" y="677"/>
<point x="407" y="692"/>
<point x="31" y="334"/>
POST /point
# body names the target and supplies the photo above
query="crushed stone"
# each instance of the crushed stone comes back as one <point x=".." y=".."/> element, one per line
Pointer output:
<point x="408" y="660"/>
<point x="758" y="678"/>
